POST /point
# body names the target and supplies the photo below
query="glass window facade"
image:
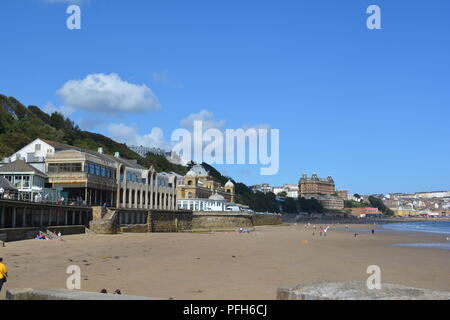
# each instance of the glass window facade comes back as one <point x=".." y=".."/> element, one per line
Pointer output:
<point x="64" y="167"/>
<point x="24" y="181"/>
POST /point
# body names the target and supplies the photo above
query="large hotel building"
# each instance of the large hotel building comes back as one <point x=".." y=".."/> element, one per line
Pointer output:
<point x="322" y="189"/>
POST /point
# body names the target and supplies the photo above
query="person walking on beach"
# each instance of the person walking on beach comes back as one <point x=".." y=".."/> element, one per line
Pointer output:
<point x="3" y="273"/>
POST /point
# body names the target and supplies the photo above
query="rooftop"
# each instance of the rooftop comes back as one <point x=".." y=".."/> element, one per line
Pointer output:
<point x="21" y="166"/>
<point x="65" y="147"/>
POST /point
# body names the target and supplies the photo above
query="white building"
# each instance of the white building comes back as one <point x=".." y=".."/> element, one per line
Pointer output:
<point x="33" y="153"/>
<point x="29" y="181"/>
<point x="215" y="203"/>
<point x="290" y="189"/>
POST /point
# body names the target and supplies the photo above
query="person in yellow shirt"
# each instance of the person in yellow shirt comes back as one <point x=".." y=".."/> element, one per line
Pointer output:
<point x="3" y="273"/>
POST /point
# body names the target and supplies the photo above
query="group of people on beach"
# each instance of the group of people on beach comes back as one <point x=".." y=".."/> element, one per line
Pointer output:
<point x="115" y="292"/>
<point x="49" y="236"/>
<point x="322" y="231"/>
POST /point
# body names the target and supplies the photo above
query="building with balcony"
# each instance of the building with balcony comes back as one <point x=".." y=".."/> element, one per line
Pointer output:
<point x="95" y="178"/>
<point x="27" y="180"/>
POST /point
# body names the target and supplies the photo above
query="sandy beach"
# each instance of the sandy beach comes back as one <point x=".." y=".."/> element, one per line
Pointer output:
<point x="225" y="265"/>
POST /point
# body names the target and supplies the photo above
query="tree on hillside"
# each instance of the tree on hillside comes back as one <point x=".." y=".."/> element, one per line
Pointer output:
<point x="290" y="205"/>
<point x="310" y="205"/>
<point x="355" y="204"/>
<point x="282" y="194"/>
<point x="378" y="203"/>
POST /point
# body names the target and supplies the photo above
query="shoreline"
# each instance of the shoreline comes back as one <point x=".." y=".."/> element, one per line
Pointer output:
<point x="291" y="219"/>
<point x="225" y="265"/>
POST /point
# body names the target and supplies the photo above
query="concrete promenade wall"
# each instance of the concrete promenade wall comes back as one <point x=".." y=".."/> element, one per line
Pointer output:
<point x="18" y="234"/>
<point x="267" y="219"/>
<point x="357" y="290"/>
<point x="172" y="221"/>
<point x="64" y="294"/>
<point x="111" y="221"/>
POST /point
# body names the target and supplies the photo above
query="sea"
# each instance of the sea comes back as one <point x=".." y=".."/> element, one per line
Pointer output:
<point x="435" y="227"/>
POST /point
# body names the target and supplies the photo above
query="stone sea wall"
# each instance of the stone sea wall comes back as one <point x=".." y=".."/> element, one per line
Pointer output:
<point x="172" y="221"/>
<point x="216" y="221"/>
<point x="267" y="219"/>
<point x="140" y="221"/>
<point x="357" y="290"/>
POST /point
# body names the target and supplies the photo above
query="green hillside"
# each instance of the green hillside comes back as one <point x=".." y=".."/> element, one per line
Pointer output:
<point x="19" y="125"/>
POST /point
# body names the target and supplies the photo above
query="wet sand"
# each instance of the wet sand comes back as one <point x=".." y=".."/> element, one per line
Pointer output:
<point x="225" y="265"/>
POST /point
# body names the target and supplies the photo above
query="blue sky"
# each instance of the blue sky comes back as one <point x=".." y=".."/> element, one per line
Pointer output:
<point x="369" y="107"/>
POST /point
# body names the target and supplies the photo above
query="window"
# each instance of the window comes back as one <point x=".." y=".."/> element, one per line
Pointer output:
<point x="18" y="182"/>
<point x="91" y="168"/>
<point x="26" y="182"/>
<point x="103" y="171"/>
<point x="52" y="168"/>
<point x="98" y="170"/>
<point x="37" y="147"/>
<point x="86" y="167"/>
<point x="64" y="167"/>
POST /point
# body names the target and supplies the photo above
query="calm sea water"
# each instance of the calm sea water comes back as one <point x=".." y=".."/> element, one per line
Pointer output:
<point x="436" y="227"/>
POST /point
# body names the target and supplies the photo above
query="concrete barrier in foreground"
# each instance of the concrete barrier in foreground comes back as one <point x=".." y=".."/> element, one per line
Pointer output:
<point x="64" y="294"/>
<point x="357" y="290"/>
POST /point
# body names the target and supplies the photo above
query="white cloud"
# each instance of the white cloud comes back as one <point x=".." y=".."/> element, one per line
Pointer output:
<point x="130" y="135"/>
<point x="107" y="93"/>
<point x="206" y="117"/>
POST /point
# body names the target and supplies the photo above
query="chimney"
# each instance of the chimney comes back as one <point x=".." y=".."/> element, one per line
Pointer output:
<point x="117" y="155"/>
<point x="100" y="150"/>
